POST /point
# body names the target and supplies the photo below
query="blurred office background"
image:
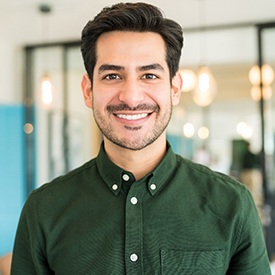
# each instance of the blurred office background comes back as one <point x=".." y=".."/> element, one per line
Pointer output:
<point x="226" y="118"/>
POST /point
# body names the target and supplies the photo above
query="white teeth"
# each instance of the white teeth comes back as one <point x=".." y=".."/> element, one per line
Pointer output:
<point x="132" y="117"/>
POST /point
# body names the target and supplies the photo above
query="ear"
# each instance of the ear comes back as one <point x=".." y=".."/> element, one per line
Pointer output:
<point x="87" y="90"/>
<point x="176" y="88"/>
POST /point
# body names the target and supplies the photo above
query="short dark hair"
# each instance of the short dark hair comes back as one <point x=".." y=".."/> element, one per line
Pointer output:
<point x="136" y="17"/>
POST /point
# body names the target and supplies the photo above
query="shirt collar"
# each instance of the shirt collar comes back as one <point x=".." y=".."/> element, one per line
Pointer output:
<point x="114" y="176"/>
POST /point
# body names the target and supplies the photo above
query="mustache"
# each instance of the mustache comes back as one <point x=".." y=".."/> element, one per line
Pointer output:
<point x="126" y="107"/>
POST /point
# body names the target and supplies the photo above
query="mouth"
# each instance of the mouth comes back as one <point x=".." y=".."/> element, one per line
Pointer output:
<point x="132" y="117"/>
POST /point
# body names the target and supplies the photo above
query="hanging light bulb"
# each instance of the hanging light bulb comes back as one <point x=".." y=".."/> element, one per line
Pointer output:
<point x="46" y="91"/>
<point x="255" y="75"/>
<point x="255" y="93"/>
<point x="203" y="132"/>
<point x="206" y="87"/>
<point x="244" y="130"/>
<point x="267" y="75"/>
<point x="46" y="96"/>
<point x="188" y="130"/>
<point x="188" y="80"/>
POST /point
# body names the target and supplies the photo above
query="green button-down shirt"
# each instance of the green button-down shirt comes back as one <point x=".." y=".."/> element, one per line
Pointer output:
<point x="182" y="218"/>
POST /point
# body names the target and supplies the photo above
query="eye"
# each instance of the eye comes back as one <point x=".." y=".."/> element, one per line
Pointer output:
<point x="149" y="76"/>
<point x="111" y="77"/>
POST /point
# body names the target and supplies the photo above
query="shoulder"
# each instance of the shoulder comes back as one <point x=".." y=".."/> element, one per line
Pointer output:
<point x="221" y="191"/>
<point x="206" y="176"/>
<point x="67" y="183"/>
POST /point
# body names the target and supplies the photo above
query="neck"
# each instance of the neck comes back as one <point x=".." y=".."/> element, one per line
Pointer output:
<point x="140" y="162"/>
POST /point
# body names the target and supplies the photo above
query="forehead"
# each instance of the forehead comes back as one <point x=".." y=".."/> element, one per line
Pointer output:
<point x="126" y="46"/>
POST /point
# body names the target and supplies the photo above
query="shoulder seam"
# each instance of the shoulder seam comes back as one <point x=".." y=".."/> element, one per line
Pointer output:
<point x="67" y="176"/>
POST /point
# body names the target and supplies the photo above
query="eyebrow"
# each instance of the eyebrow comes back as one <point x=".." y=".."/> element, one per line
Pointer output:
<point x="110" y="67"/>
<point x="155" y="66"/>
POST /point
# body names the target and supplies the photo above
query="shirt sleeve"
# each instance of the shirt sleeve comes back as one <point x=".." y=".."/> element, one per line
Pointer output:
<point x="28" y="253"/>
<point x="250" y="256"/>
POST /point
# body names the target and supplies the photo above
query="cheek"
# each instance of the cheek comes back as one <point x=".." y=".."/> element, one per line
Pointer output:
<point x="101" y="100"/>
<point x="164" y="98"/>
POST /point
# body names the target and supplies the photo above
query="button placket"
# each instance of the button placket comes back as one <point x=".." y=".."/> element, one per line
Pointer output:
<point x="133" y="231"/>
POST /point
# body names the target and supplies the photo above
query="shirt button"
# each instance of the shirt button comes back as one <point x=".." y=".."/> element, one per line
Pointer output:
<point x="126" y="177"/>
<point x="153" y="186"/>
<point x="134" y="200"/>
<point x="134" y="257"/>
<point x="115" y="187"/>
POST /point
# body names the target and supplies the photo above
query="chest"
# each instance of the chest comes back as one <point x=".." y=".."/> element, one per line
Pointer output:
<point x="140" y="234"/>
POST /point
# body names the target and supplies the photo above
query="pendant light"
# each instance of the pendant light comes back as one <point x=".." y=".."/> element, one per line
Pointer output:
<point x="46" y="88"/>
<point x="255" y="75"/>
<point x="189" y="80"/>
<point x="205" y="89"/>
<point x="267" y="75"/>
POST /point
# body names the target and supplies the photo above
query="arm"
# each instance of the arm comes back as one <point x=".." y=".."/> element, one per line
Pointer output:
<point x="250" y="256"/>
<point x="28" y="254"/>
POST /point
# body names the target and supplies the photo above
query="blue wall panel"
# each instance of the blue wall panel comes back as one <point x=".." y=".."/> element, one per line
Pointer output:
<point x="12" y="185"/>
<point x="181" y="145"/>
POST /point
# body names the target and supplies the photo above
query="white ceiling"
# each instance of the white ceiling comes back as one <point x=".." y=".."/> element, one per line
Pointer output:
<point x="20" y="21"/>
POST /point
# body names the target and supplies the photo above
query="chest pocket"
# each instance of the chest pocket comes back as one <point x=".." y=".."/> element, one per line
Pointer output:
<point x="191" y="262"/>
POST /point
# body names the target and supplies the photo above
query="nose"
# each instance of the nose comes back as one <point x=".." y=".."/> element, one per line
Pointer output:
<point x="131" y="92"/>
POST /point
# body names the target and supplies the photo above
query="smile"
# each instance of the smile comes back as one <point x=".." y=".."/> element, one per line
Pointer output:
<point x="132" y="117"/>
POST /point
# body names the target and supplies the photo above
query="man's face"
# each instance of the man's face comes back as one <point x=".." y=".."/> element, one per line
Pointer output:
<point x="131" y="96"/>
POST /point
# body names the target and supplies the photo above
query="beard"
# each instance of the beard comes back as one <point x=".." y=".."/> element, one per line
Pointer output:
<point x="134" y="141"/>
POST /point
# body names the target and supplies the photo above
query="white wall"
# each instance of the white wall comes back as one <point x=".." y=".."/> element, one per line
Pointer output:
<point x="11" y="73"/>
<point x="220" y="47"/>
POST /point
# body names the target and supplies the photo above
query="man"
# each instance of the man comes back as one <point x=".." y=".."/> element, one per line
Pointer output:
<point x="137" y="208"/>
